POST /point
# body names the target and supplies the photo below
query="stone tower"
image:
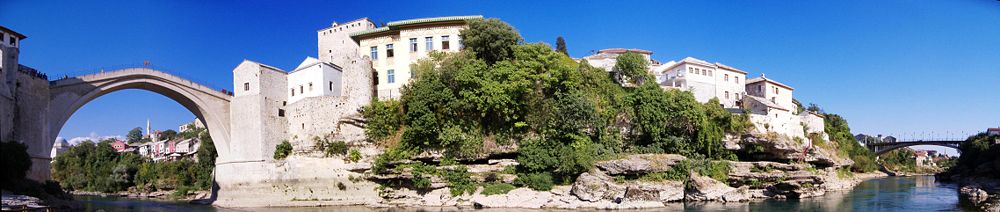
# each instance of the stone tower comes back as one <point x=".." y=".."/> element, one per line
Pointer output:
<point x="335" y="43"/>
<point x="256" y="111"/>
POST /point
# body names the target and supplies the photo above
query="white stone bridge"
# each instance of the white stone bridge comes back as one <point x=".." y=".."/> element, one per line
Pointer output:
<point x="67" y="95"/>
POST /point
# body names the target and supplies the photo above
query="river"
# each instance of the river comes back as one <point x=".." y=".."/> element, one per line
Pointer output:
<point x="917" y="193"/>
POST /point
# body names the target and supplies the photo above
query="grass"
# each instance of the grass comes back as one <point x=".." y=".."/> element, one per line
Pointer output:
<point x="497" y="188"/>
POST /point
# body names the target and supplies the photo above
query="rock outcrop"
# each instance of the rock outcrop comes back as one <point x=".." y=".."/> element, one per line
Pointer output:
<point x="703" y="188"/>
<point x="635" y="164"/>
<point x="781" y="148"/>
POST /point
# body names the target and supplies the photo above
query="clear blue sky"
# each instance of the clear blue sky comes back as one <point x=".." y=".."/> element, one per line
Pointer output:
<point x="887" y="66"/>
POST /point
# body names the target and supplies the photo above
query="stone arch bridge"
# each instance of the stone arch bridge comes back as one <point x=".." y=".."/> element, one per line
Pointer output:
<point x="67" y="95"/>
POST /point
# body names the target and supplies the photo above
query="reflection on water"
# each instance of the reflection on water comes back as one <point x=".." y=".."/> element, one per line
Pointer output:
<point x="919" y="193"/>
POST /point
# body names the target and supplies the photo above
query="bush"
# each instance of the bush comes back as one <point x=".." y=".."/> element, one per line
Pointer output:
<point x="341" y="186"/>
<point x="497" y="188"/>
<point x="282" y="150"/>
<point x="383" y="118"/>
<point x="459" y="181"/>
<point x="354" y="156"/>
<point x="536" y="181"/>
<point x="336" y="148"/>
<point x="16" y="162"/>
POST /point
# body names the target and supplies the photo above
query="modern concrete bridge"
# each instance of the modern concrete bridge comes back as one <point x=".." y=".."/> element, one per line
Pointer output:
<point x="882" y="148"/>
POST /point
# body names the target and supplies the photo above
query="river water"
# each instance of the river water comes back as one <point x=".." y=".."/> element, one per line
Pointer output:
<point x="910" y="194"/>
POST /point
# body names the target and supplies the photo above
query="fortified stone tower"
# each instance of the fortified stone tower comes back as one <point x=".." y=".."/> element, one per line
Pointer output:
<point x="256" y="111"/>
<point x="9" y="49"/>
<point x="335" y="44"/>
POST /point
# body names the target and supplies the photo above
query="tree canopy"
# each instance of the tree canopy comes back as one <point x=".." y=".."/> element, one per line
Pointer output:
<point x="561" y="46"/>
<point x="491" y="39"/>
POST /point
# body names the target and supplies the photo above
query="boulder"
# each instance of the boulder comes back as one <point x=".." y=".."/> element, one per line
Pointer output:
<point x="517" y="198"/>
<point x="596" y="186"/>
<point x="643" y="163"/>
<point x="664" y="191"/>
<point x="703" y="188"/>
<point x="973" y="193"/>
<point x="782" y="148"/>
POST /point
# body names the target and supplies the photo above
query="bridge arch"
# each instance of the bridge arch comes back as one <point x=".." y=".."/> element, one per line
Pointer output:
<point x="883" y="148"/>
<point x="66" y="96"/>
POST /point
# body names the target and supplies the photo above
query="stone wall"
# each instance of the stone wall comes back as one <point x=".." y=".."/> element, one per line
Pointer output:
<point x="30" y="118"/>
<point x="256" y="125"/>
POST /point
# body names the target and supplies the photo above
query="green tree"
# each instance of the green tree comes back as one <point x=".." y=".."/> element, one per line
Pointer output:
<point x="631" y="67"/>
<point x="134" y="135"/>
<point x="561" y="46"/>
<point x="168" y="135"/>
<point x="491" y="39"/>
<point x="16" y="162"/>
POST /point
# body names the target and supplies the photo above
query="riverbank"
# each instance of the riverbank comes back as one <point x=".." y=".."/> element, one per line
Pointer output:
<point x="157" y="195"/>
<point x="915" y="193"/>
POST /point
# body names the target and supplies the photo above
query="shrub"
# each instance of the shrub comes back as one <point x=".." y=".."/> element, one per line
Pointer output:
<point x="497" y="188"/>
<point x="336" y="148"/>
<point x="537" y="181"/>
<point x="341" y="186"/>
<point x="459" y="181"/>
<point x="383" y="118"/>
<point x="282" y="150"/>
<point x="15" y="160"/>
<point x="354" y="156"/>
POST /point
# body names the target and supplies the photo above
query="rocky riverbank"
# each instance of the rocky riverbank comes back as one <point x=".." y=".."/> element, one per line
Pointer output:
<point x="622" y="184"/>
<point x="161" y="195"/>
<point x="977" y="191"/>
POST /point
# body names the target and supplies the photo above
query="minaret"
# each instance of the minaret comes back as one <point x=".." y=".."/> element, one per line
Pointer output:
<point x="148" y="133"/>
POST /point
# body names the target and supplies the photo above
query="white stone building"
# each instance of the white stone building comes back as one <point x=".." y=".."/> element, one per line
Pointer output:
<point x="196" y="124"/>
<point x="314" y="78"/>
<point x="705" y="80"/>
<point x="59" y="147"/>
<point x="393" y="47"/>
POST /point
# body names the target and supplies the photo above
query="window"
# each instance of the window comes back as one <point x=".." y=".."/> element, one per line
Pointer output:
<point x="391" y="76"/>
<point x="704" y="72"/>
<point x="690" y="70"/>
<point x="726" y="77"/>
<point x="310" y="86"/>
<point x="388" y="50"/>
<point x="293" y="92"/>
<point x="737" y="79"/>
<point x="429" y="41"/>
<point x="246" y="86"/>
<point x="709" y="72"/>
<point x="727" y="94"/>
<point x="301" y="89"/>
<point x="413" y="45"/>
<point x="775" y="90"/>
<point x="374" y="52"/>
<point x="737" y="95"/>
<point x="281" y="113"/>
<point x="444" y="42"/>
<point x="331" y="85"/>
<point x="773" y="100"/>
<point x="460" y="46"/>
<point x="760" y="88"/>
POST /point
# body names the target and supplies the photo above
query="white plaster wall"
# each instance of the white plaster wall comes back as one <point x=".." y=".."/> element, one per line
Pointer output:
<point x="314" y="81"/>
<point x="403" y="57"/>
<point x="735" y="86"/>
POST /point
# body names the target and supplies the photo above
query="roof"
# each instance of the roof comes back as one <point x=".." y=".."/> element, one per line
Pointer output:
<point x="403" y="23"/>
<point x="624" y="50"/>
<point x="766" y="102"/>
<point x="15" y="33"/>
<point x="691" y="60"/>
<point x="724" y="66"/>
<point x="993" y="130"/>
<point x="762" y="78"/>
<point x="335" y="24"/>
<point x="265" y="66"/>
<point x="311" y="61"/>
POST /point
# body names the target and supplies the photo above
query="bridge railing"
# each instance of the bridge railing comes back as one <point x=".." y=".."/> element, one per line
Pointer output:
<point x="107" y="69"/>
